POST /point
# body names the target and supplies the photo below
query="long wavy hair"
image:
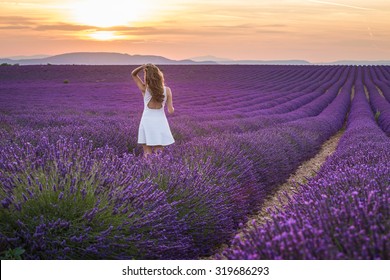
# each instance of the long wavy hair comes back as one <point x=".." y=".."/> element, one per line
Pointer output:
<point x="154" y="79"/>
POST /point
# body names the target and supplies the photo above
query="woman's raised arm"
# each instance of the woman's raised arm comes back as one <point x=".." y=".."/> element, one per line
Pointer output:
<point x="137" y="79"/>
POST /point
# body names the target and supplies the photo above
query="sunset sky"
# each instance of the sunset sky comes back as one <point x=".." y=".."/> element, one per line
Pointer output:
<point x="317" y="31"/>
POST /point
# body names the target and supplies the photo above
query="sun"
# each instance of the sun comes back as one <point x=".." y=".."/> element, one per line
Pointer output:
<point x="108" y="13"/>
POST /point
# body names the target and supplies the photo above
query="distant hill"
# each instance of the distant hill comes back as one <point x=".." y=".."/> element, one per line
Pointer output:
<point x="109" y="58"/>
<point x="219" y="60"/>
<point x="266" y="62"/>
<point x="358" y="62"/>
<point x="6" y="60"/>
<point x="210" y="58"/>
<point x="29" y="56"/>
<point x="98" y="58"/>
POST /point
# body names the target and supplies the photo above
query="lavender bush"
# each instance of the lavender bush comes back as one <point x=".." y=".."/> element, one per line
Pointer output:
<point x="70" y="201"/>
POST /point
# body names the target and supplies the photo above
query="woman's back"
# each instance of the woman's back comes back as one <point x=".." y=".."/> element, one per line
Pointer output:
<point x="150" y="103"/>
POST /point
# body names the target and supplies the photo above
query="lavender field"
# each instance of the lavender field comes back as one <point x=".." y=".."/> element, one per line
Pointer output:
<point x="74" y="184"/>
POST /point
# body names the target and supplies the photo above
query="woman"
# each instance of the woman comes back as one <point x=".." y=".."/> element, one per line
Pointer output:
<point x="154" y="131"/>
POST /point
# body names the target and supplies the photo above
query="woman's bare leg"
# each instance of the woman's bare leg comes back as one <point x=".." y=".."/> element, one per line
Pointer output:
<point x="158" y="149"/>
<point x="147" y="150"/>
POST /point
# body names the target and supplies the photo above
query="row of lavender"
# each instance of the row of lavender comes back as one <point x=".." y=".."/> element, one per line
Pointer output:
<point x="379" y="95"/>
<point x="343" y="213"/>
<point x="197" y="196"/>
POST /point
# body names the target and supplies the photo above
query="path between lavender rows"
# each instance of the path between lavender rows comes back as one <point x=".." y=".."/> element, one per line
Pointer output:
<point x="302" y="175"/>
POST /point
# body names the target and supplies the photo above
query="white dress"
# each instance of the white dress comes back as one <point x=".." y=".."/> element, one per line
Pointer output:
<point x="154" y="128"/>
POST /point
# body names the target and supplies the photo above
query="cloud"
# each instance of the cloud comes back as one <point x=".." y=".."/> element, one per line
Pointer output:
<point x="218" y="30"/>
<point x="61" y="26"/>
<point x="140" y="29"/>
<point x="64" y="27"/>
<point x="274" y="25"/>
<point x="238" y="26"/>
<point x="238" y="29"/>
<point x="273" y="29"/>
<point x="341" y="5"/>
<point x="167" y="31"/>
<point x="16" y="20"/>
<point x="119" y="30"/>
<point x="156" y="31"/>
<point x="269" y="31"/>
<point x="10" y="27"/>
